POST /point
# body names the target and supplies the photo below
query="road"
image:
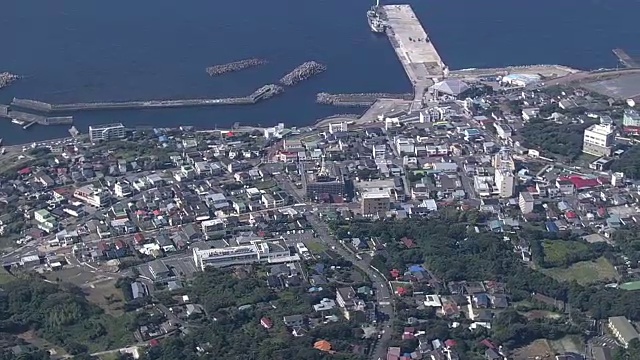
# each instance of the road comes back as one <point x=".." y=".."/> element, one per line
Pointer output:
<point x="379" y="282"/>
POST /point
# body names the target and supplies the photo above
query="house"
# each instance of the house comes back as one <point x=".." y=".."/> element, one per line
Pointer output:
<point x="359" y="244"/>
<point x="266" y="322"/>
<point x="293" y="321"/>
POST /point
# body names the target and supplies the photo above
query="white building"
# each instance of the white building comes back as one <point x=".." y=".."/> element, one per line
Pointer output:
<point x="505" y="183"/>
<point x="91" y="196"/>
<point x="274" y="132"/>
<point x="106" y="132"/>
<point x="257" y="251"/>
<point x="617" y="178"/>
<point x="122" y="189"/>
<point x="405" y="146"/>
<point x="598" y="139"/>
<point x="526" y="202"/>
<point x="338" y="127"/>
<point x="631" y="118"/>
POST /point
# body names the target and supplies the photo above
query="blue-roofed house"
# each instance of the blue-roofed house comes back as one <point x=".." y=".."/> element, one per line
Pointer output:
<point x="552" y="227"/>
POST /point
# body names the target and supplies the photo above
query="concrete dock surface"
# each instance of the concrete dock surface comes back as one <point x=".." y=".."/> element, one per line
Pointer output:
<point x="414" y="49"/>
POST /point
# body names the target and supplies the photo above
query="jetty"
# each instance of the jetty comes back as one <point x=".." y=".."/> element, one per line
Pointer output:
<point x="625" y="59"/>
<point x="303" y="72"/>
<point x="234" y="66"/>
<point x="7" y="79"/>
<point x="414" y="49"/>
<point x="262" y="93"/>
<point x="357" y="99"/>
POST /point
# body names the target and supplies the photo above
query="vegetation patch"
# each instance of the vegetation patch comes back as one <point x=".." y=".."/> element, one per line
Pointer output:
<point x="559" y="252"/>
<point x="5" y="276"/>
<point x="584" y="272"/>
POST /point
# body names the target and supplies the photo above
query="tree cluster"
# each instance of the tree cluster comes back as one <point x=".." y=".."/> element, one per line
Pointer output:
<point x="559" y="139"/>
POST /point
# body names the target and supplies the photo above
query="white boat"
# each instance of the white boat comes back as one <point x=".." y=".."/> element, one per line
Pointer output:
<point x="16" y="121"/>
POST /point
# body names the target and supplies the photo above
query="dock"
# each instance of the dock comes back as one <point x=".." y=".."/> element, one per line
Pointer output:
<point x="414" y="49"/>
<point x="32" y="119"/>
<point x="625" y="59"/>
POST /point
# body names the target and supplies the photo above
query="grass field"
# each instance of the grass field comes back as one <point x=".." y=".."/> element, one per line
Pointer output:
<point x="5" y="276"/>
<point x="316" y="247"/>
<point x="584" y="272"/>
<point x="556" y="251"/>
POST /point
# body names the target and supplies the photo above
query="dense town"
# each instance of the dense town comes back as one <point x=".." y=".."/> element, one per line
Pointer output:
<point x="330" y="241"/>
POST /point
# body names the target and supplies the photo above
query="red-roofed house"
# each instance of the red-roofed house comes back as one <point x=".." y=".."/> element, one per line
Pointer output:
<point x="25" y="171"/>
<point x="488" y="343"/>
<point x="395" y="273"/>
<point x="266" y="323"/>
<point x="154" y="342"/>
<point x="408" y="333"/>
<point x="139" y="238"/>
<point x="450" y="343"/>
<point x="571" y="215"/>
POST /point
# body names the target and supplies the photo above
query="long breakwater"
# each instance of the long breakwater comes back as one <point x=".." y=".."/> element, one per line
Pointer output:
<point x="260" y="94"/>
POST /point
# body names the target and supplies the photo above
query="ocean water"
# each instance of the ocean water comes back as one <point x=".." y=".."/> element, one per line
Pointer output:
<point x="79" y="51"/>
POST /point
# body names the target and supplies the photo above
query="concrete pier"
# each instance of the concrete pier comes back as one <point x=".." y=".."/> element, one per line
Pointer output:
<point x="412" y="45"/>
<point x="625" y="59"/>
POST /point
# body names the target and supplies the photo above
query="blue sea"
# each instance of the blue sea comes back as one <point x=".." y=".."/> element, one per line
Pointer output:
<point x="92" y="50"/>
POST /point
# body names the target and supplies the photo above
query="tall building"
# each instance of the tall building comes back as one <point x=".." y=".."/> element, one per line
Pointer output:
<point x="526" y="202"/>
<point x="106" y="132"/>
<point x="375" y="203"/>
<point x="598" y="139"/>
<point x="505" y="182"/>
<point x="631" y="118"/>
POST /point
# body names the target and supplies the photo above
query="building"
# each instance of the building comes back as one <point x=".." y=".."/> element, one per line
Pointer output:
<point x="106" y="132"/>
<point x="159" y="270"/>
<point x="92" y="196"/>
<point x="449" y="87"/>
<point x="45" y="220"/>
<point x="503" y="130"/>
<point x="256" y="251"/>
<point x="505" y="183"/>
<point x="375" y="203"/>
<point x="348" y="301"/>
<point x="327" y="181"/>
<point x="526" y="202"/>
<point x="598" y="139"/>
<point x="623" y="330"/>
<point x="338" y="127"/>
<point x="631" y="117"/>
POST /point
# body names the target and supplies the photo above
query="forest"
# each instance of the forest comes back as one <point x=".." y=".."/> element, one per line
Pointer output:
<point x="60" y="314"/>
